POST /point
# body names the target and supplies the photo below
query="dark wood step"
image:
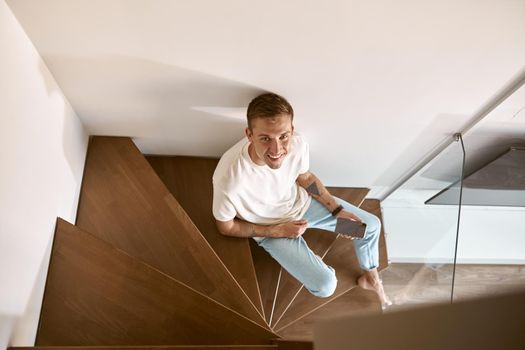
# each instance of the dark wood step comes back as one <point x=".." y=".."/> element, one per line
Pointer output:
<point x="154" y="347"/>
<point x="354" y="302"/>
<point x="279" y="344"/>
<point x="288" y="287"/>
<point x="320" y="242"/>
<point x="99" y="295"/>
<point x="276" y="344"/>
<point x="267" y="270"/>
<point x="124" y="202"/>
<point x="189" y="179"/>
<point x="343" y="259"/>
<point x="285" y="344"/>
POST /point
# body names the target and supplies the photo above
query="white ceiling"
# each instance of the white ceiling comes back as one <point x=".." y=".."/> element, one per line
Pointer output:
<point x="376" y="85"/>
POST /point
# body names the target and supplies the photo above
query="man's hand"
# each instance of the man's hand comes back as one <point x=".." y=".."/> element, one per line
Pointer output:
<point x="344" y="214"/>
<point x="292" y="229"/>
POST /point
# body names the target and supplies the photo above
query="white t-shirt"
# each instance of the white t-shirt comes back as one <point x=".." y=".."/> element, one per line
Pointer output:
<point x="258" y="193"/>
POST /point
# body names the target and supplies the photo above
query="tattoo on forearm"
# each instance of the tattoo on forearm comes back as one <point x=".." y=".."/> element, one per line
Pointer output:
<point x="313" y="189"/>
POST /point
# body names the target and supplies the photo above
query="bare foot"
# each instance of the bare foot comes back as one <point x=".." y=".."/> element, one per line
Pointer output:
<point x="370" y="281"/>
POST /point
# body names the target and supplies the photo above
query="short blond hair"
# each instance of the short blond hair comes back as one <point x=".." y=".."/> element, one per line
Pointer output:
<point x="268" y="105"/>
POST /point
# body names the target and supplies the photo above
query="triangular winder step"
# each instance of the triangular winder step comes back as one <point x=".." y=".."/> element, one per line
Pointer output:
<point x="124" y="202"/>
<point x="97" y="294"/>
<point x="342" y="258"/>
<point x="320" y="242"/>
<point x="157" y="347"/>
<point x="277" y="344"/>
<point x="189" y="179"/>
<point x="152" y="271"/>
<point x="268" y="272"/>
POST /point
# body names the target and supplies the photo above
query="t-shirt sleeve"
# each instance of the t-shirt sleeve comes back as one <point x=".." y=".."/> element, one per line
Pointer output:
<point x="223" y="209"/>
<point x="304" y="163"/>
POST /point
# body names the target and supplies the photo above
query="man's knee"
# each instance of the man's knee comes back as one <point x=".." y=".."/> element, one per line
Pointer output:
<point x="373" y="225"/>
<point x="325" y="286"/>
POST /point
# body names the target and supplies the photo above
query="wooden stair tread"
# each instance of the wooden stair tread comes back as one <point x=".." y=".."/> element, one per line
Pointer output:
<point x="280" y="344"/>
<point x="124" y="202"/>
<point x="99" y="295"/>
<point x="320" y="242"/>
<point x="150" y="347"/>
<point x="189" y="179"/>
<point x="284" y="344"/>
<point x="343" y="259"/>
<point x="267" y="271"/>
<point x="356" y="301"/>
<point x="374" y="206"/>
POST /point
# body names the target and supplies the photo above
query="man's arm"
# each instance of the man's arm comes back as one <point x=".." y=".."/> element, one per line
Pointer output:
<point x="317" y="190"/>
<point x="241" y="228"/>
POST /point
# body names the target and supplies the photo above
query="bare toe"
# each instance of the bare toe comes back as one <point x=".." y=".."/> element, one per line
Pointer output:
<point x="376" y="286"/>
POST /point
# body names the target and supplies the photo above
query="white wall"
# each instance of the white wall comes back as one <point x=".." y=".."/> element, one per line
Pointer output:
<point x="375" y="85"/>
<point x="43" y="146"/>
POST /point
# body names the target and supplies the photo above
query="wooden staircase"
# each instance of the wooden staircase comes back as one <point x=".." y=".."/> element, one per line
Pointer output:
<point x="145" y="267"/>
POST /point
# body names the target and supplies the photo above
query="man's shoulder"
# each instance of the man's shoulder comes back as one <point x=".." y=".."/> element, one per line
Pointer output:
<point x="299" y="139"/>
<point x="230" y="161"/>
<point x="300" y="145"/>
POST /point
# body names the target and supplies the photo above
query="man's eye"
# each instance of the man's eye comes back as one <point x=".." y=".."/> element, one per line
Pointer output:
<point x="284" y="137"/>
<point x="265" y="139"/>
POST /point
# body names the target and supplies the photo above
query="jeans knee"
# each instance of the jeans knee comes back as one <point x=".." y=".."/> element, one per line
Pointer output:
<point x="374" y="225"/>
<point x="325" y="286"/>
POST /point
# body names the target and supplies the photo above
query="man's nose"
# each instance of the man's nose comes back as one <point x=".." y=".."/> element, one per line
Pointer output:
<point x="275" y="147"/>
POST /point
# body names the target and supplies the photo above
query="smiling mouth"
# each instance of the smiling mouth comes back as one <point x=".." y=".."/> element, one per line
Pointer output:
<point x="275" y="157"/>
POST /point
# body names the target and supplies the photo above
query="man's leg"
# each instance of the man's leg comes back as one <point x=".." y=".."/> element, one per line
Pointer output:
<point x="367" y="248"/>
<point x="297" y="258"/>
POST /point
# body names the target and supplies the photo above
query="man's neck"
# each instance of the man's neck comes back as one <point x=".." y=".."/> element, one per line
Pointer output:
<point x="253" y="156"/>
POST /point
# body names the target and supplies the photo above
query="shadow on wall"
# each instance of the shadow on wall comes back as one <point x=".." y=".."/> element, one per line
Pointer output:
<point x="56" y="118"/>
<point x="166" y="109"/>
<point x="23" y="329"/>
<point x="6" y="328"/>
<point x="74" y="141"/>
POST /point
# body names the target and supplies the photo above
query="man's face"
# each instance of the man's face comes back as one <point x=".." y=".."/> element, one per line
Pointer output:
<point x="270" y="139"/>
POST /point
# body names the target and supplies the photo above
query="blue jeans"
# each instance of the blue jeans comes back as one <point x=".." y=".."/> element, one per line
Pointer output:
<point x="297" y="258"/>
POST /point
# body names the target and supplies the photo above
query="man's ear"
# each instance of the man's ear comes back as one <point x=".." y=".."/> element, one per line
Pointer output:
<point x="248" y="133"/>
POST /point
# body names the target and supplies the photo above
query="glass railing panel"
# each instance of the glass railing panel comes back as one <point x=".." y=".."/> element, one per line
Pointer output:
<point x="421" y="235"/>
<point x="491" y="247"/>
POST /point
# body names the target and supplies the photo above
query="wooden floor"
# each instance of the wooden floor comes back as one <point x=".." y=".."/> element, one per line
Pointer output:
<point x="414" y="284"/>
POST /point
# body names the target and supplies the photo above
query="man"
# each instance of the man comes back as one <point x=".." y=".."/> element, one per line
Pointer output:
<point x="262" y="188"/>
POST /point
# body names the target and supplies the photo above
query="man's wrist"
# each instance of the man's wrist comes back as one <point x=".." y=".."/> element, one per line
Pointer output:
<point x="337" y="210"/>
<point x="262" y="230"/>
<point x="270" y="230"/>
